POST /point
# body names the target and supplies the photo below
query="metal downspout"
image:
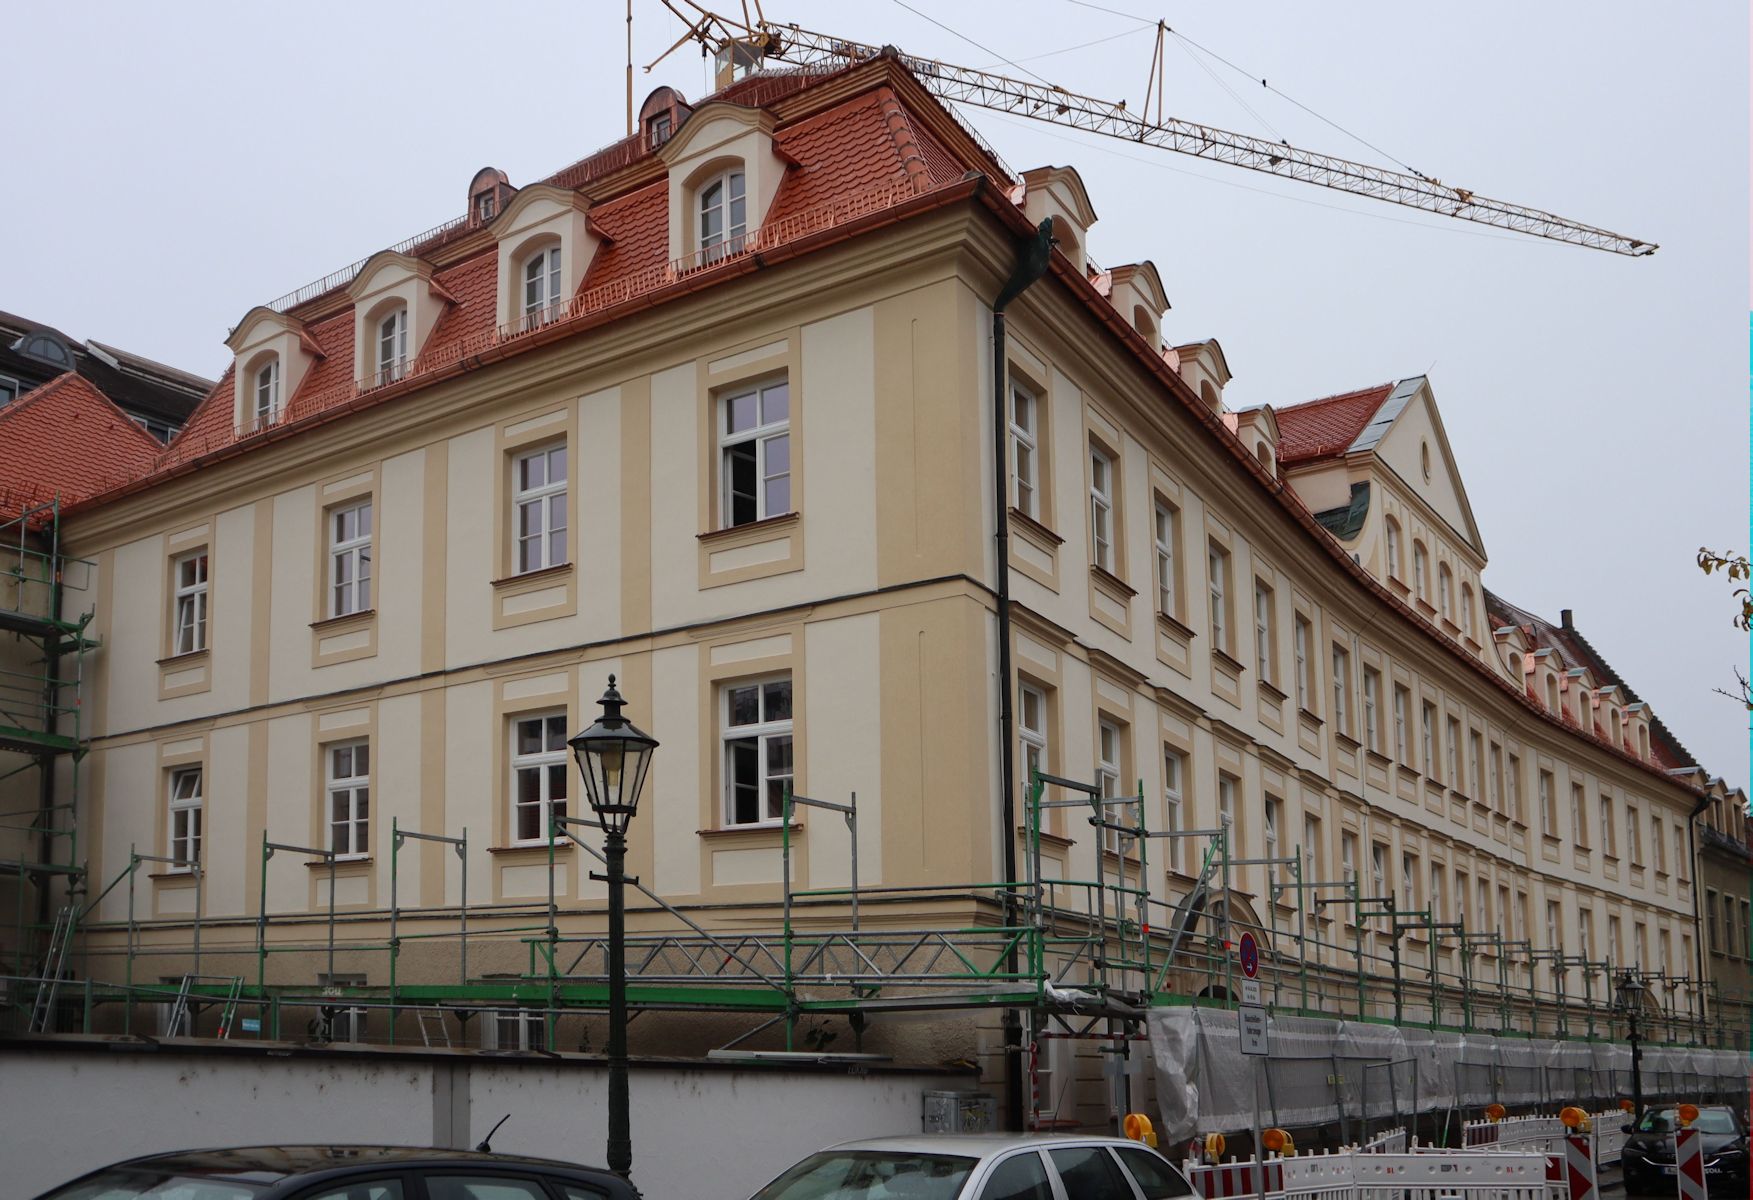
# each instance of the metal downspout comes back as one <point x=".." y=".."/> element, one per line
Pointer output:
<point x="1031" y="264"/>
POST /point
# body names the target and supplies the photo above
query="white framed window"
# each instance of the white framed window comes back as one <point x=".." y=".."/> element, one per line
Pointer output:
<point x="348" y="784"/>
<point x="1494" y="779"/>
<point x="1633" y="837"/>
<point x="541" y="287"/>
<point x="1408" y="881"/>
<point x="1548" y="809"/>
<point x="1615" y="938"/>
<point x="1348" y="856"/>
<point x="189" y="603"/>
<point x="1445" y="590"/>
<point x="392" y="346"/>
<point x="1482" y="897"/>
<point x="1174" y="768"/>
<point x="1656" y="849"/>
<point x="1272" y="822"/>
<point x="1579" y="819"/>
<point x="1393" y="540"/>
<point x="1512" y="789"/>
<point x="1682" y="865"/>
<point x="1436" y="891"/>
<point x="341" y="1023"/>
<point x="1166" y="527"/>
<point x="1664" y="949"/>
<point x="1379" y="869"/>
<point x="1420" y="571"/>
<point x="1108" y="749"/>
<point x="1024" y="449"/>
<point x="1609" y="843"/>
<point x="757" y="750"/>
<point x="1402" y="738"/>
<point x="350" y="559"/>
<point x="1101" y="510"/>
<point x="1226" y="808"/>
<point x="1427" y="732"/>
<point x="268" y="392"/>
<point x="538" y="776"/>
<point x="1467" y="610"/>
<point x="1584" y="928"/>
<point x="1372" y="697"/>
<point x="1301" y="634"/>
<point x="1554" y="927"/>
<point x="1453" y="751"/>
<point x="1311" y="847"/>
<point x="184" y="823"/>
<point x="515" y="1029"/>
<point x="658" y="129"/>
<point x="723" y="216"/>
<point x="1476" y="753"/>
<point x="754" y="446"/>
<point x="1263" y="615"/>
<point x="9" y="389"/>
<point x="538" y="503"/>
<point x="1032" y="731"/>
<point x="1461" y="895"/>
<point x="1217" y="566"/>
<point x="1341" y="690"/>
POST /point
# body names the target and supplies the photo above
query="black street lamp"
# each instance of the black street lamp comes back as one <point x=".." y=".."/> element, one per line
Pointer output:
<point x="613" y="756"/>
<point x="1629" y="998"/>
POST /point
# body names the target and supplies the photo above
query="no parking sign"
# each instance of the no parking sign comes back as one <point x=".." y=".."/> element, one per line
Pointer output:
<point x="1250" y="954"/>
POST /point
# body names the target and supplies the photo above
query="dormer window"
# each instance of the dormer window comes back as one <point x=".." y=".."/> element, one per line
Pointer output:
<point x="268" y="392"/>
<point x="486" y="207"/>
<point x="723" y="216"/>
<point x="541" y="286"/>
<point x="658" y="129"/>
<point x="392" y="346"/>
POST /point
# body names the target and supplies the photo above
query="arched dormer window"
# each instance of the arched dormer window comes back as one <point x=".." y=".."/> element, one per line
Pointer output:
<point x="1445" y="589"/>
<point x="1552" y="694"/>
<point x="1420" y="571"/>
<point x="723" y="213"/>
<point x="1613" y="721"/>
<point x="266" y="392"/>
<point x="1585" y="712"/>
<point x="541" y="286"/>
<point x="1263" y="452"/>
<point x="392" y="345"/>
<point x="1643" y="742"/>
<point x="1393" y="540"/>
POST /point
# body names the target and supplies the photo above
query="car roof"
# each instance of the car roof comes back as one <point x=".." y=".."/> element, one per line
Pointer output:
<point x="268" y="1163"/>
<point x="977" y="1145"/>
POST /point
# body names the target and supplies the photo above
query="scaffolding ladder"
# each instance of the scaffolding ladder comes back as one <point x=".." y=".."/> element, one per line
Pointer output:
<point x="42" y="1013"/>
<point x="425" y="1017"/>
<point x="181" y="1008"/>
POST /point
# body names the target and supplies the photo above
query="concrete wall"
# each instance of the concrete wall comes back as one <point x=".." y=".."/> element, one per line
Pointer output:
<point x="698" y="1131"/>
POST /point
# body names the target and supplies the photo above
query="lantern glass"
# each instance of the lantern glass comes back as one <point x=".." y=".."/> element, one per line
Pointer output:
<point x="613" y="756"/>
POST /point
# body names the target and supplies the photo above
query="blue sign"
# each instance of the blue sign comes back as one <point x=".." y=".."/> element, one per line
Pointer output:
<point x="1250" y="955"/>
<point x="252" y="1024"/>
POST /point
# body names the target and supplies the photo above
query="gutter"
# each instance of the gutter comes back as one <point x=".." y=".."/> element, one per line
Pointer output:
<point x="1032" y="257"/>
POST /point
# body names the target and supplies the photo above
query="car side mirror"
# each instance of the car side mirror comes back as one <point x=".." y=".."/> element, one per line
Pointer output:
<point x="1625" y="1129"/>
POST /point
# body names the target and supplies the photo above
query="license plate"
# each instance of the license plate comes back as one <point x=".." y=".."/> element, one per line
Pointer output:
<point x="1667" y="1170"/>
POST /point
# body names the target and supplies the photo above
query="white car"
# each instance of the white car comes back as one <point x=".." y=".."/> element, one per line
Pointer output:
<point x="990" y="1167"/>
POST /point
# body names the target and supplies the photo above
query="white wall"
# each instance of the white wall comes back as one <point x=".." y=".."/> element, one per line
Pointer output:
<point x="697" y="1132"/>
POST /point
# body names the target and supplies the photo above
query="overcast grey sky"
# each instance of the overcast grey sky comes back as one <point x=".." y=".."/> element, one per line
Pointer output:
<point x="220" y="154"/>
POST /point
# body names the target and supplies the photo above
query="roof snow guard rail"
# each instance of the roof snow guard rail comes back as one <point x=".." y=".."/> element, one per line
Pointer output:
<point x="344" y="276"/>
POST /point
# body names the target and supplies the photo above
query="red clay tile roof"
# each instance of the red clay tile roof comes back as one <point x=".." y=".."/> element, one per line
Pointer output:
<point x="66" y="439"/>
<point x="1325" y="427"/>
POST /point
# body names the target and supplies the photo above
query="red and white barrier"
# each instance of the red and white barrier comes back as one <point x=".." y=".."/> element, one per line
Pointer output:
<point x="1579" y="1167"/>
<point x="1221" y="1181"/>
<point x="1689" y="1164"/>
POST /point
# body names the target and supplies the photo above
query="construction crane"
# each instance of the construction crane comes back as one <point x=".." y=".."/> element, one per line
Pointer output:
<point x="754" y="38"/>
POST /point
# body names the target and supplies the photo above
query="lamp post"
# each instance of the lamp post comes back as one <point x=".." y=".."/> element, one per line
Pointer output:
<point x="1629" y="998"/>
<point x="613" y="756"/>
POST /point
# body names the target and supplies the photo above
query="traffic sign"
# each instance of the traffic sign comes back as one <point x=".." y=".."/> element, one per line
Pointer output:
<point x="1251" y="1020"/>
<point x="1250" y="956"/>
<point x="1250" y="991"/>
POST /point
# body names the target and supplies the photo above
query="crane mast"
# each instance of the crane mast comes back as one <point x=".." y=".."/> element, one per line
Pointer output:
<point x="1059" y="106"/>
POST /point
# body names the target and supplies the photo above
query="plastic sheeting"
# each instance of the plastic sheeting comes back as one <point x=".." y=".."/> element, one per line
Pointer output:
<point x="1323" y="1072"/>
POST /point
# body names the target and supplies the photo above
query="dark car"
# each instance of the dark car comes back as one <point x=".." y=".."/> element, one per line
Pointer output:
<point x="1647" y="1161"/>
<point x="343" y="1173"/>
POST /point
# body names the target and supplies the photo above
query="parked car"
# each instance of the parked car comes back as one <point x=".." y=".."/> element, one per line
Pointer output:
<point x="1647" y="1161"/>
<point x="343" y="1173"/>
<point x="994" y="1167"/>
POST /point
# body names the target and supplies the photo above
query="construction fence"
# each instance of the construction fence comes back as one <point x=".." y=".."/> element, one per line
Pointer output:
<point x="1359" y="1075"/>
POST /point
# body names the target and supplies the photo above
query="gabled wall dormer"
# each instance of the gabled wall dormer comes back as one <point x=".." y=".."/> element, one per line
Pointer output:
<point x="1637" y="720"/>
<point x="1136" y="292"/>
<point x="1579" y="698"/>
<point x="1257" y="428"/>
<point x="395" y="306"/>
<point x="724" y="170"/>
<point x="1204" y="370"/>
<point x="1058" y="193"/>
<point x="273" y="353"/>
<point x="545" y="247"/>
<point x="1514" y="659"/>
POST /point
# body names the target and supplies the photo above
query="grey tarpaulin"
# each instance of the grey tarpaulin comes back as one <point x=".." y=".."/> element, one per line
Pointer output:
<point x="1325" y="1072"/>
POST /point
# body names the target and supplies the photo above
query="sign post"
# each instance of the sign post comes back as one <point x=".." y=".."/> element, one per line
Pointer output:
<point x="1689" y="1164"/>
<point x="1252" y="1027"/>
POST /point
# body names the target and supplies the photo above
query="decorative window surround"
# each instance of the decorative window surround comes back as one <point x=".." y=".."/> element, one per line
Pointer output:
<point x="719" y="138"/>
<point x="535" y="220"/>
<point x="387" y="283"/>
<point x="265" y="336"/>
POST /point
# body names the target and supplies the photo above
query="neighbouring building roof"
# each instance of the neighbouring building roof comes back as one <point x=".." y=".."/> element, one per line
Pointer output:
<point x="137" y="385"/>
<point x="67" y="440"/>
<point x="1346" y="522"/>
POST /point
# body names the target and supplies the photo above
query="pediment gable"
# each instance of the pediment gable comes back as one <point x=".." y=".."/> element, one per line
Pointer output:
<point x="1407" y="437"/>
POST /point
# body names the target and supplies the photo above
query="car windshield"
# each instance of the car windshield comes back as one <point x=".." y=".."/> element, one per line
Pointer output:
<point x="143" y="1183"/>
<point x="1710" y="1120"/>
<point x="871" y="1175"/>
